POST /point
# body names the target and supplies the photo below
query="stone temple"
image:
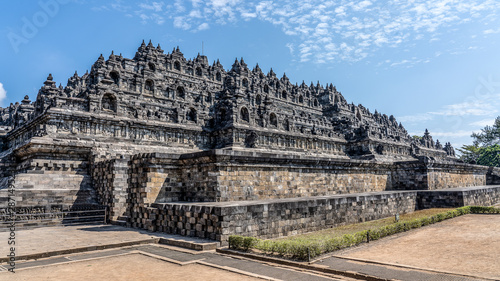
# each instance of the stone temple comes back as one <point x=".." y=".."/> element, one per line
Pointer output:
<point x="183" y="146"/>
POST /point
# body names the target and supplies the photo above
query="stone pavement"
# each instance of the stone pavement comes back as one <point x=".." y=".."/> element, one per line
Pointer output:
<point x="467" y="245"/>
<point x="391" y="272"/>
<point x="71" y="239"/>
<point x="78" y="243"/>
<point x="364" y="270"/>
<point x="245" y="267"/>
<point x="181" y="257"/>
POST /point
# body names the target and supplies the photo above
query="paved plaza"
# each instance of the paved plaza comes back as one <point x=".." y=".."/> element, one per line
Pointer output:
<point x="462" y="248"/>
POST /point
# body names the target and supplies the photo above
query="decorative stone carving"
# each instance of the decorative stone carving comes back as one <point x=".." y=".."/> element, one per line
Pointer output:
<point x="194" y="93"/>
<point x="251" y="140"/>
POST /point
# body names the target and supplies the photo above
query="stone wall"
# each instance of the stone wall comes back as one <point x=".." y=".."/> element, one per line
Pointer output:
<point x="426" y="174"/>
<point x="52" y="214"/>
<point x="451" y="175"/>
<point x="47" y="182"/>
<point x="493" y="176"/>
<point x="53" y="174"/>
<point x="222" y="175"/>
<point x="153" y="178"/>
<point x="410" y="175"/>
<point x="234" y="175"/>
<point x="111" y="184"/>
<point x="457" y="197"/>
<point x="270" y="218"/>
<point x="481" y="196"/>
<point x="284" y="217"/>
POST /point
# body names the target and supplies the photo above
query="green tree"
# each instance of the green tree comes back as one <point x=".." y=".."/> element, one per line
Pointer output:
<point x="489" y="156"/>
<point x="485" y="149"/>
<point x="488" y="136"/>
<point x="469" y="153"/>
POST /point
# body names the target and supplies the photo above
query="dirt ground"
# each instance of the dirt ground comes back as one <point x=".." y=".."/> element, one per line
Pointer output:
<point x="126" y="267"/>
<point x="467" y="245"/>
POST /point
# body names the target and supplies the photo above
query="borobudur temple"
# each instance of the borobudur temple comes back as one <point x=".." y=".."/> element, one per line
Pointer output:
<point x="183" y="146"/>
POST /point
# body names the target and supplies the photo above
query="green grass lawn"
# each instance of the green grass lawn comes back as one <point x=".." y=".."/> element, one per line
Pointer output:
<point x="357" y="227"/>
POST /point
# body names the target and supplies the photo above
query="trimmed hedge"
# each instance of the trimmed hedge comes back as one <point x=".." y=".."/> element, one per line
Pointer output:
<point x="305" y="249"/>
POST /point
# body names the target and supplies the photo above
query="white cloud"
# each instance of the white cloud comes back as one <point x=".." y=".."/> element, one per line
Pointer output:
<point x="340" y="11"/>
<point x="490" y="31"/>
<point x="361" y="5"/>
<point x="474" y="108"/>
<point x="483" y="123"/>
<point x="179" y="7"/>
<point x="470" y="108"/>
<point x="408" y="62"/>
<point x="180" y="22"/>
<point x="3" y="93"/>
<point x="120" y="7"/>
<point x="203" y="26"/>
<point x="195" y="14"/>
<point x="332" y="30"/>
<point x="416" y="118"/>
<point x="459" y="120"/>
<point x="452" y="134"/>
<point x="156" y="18"/>
<point x="155" y="6"/>
<point x="247" y="15"/>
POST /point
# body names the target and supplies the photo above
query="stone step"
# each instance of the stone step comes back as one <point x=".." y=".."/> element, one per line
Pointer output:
<point x="119" y="222"/>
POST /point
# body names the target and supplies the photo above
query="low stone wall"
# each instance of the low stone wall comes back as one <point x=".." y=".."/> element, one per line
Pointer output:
<point x="270" y="218"/>
<point x="452" y="175"/>
<point x="457" y="197"/>
<point x="481" y="196"/>
<point x="427" y="174"/>
<point x="284" y="217"/>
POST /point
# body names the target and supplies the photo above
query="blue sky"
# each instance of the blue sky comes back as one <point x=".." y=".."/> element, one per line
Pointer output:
<point x="431" y="63"/>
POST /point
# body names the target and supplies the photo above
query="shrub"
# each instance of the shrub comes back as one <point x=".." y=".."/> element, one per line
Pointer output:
<point x="266" y="246"/>
<point x="249" y="242"/>
<point x="235" y="242"/>
<point x="281" y="247"/>
<point x="484" y="210"/>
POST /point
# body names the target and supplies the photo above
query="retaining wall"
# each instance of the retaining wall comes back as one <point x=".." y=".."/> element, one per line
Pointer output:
<point x="457" y="197"/>
<point x="270" y="218"/>
<point x="283" y="217"/>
